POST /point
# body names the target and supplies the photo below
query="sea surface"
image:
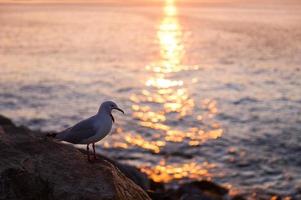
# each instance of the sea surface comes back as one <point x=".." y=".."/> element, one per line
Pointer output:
<point x="210" y="91"/>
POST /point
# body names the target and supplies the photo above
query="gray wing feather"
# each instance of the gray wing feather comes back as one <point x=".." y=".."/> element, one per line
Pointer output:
<point x="80" y="131"/>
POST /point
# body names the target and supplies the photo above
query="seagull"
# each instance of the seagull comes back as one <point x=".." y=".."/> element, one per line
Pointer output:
<point x="92" y="129"/>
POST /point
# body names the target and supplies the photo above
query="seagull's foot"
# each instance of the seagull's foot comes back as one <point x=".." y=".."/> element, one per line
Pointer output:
<point x="94" y="154"/>
<point x="91" y="160"/>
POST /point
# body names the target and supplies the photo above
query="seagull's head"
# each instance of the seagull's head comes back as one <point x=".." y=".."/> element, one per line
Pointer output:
<point x="108" y="106"/>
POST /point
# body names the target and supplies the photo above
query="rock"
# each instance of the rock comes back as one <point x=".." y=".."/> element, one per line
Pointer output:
<point x="35" y="167"/>
<point x="163" y="195"/>
<point x="4" y="121"/>
<point x="238" y="197"/>
<point x="202" y="190"/>
<point x="19" y="184"/>
<point x="196" y="190"/>
<point x="131" y="172"/>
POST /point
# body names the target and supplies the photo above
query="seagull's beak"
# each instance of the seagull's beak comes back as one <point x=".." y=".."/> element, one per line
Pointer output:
<point x="119" y="109"/>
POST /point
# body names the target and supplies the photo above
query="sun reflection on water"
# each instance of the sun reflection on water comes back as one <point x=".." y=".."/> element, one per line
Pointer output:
<point x="165" y="173"/>
<point x="166" y="97"/>
<point x="165" y="101"/>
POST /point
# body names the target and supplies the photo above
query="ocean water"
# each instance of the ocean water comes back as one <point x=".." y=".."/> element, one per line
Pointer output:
<point x="210" y="92"/>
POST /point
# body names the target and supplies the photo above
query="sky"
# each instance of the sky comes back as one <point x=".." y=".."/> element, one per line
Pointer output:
<point x="256" y="3"/>
<point x="143" y="1"/>
<point x="132" y="1"/>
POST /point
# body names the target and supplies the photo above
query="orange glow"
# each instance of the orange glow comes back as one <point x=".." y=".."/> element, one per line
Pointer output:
<point x="166" y="99"/>
<point x="163" y="83"/>
<point x="141" y="142"/>
<point x="134" y="140"/>
<point x="170" y="9"/>
<point x="169" y="94"/>
<point x="195" y="135"/>
<point x="168" y="172"/>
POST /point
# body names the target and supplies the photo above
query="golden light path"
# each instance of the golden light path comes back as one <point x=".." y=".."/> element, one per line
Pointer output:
<point x="166" y="99"/>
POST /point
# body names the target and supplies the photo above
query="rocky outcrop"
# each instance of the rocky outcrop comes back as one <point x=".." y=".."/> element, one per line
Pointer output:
<point x="33" y="166"/>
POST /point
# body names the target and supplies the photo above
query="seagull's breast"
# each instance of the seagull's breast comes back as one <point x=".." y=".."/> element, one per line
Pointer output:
<point x="103" y="127"/>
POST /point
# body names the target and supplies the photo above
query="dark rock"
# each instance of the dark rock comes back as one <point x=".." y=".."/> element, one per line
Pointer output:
<point x="163" y="195"/>
<point x="18" y="184"/>
<point x="158" y="195"/>
<point x="157" y="186"/>
<point x="4" y="121"/>
<point x="202" y="190"/>
<point x="238" y="197"/>
<point x="35" y="167"/>
<point x="199" y="197"/>
<point x="196" y="190"/>
<point x="204" y="186"/>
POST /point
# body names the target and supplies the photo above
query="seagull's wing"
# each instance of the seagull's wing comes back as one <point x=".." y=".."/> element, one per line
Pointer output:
<point x="79" y="132"/>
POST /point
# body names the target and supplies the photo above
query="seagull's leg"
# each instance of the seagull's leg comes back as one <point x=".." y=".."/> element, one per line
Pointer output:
<point x="88" y="152"/>
<point x="93" y="145"/>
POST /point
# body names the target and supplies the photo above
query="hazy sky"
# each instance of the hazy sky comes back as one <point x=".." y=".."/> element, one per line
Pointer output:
<point x="129" y="1"/>
<point x="158" y="2"/>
